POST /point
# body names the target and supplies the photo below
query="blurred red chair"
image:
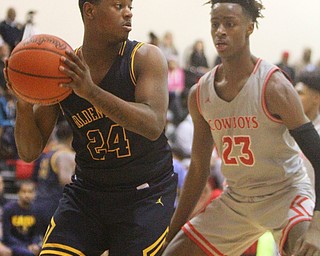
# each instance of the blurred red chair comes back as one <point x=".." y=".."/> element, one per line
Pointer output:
<point x="24" y="170"/>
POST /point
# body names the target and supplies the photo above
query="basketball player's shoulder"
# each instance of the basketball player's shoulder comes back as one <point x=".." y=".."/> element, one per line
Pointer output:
<point x="278" y="81"/>
<point x="149" y="57"/>
<point x="146" y="50"/>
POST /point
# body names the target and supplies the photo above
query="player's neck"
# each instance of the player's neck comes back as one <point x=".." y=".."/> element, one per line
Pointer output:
<point x="94" y="52"/>
<point x="235" y="68"/>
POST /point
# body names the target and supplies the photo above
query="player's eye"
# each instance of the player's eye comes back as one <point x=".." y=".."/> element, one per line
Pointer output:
<point x="230" y="24"/>
<point x="119" y="6"/>
<point x="215" y="25"/>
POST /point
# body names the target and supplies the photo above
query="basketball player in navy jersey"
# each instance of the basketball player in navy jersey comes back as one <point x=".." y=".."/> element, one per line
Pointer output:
<point x="122" y="195"/>
<point x="53" y="171"/>
<point x="250" y="111"/>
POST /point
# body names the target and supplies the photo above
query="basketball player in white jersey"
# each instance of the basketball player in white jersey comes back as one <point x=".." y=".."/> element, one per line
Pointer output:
<point x="249" y="110"/>
<point x="308" y="88"/>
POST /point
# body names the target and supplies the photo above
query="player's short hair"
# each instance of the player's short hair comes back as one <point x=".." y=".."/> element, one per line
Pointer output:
<point x="63" y="131"/>
<point x="251" y="7"/>
<point x="310" y="79"/>
<point x="81" y="3"/>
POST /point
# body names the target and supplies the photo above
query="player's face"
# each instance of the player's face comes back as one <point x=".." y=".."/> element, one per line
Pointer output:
<point x="230" y="29"/>
<point x="112" y="19"/>
<point x="309" y="98"/>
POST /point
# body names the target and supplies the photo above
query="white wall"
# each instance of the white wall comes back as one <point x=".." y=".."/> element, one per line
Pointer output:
<point x="288" y="24"/>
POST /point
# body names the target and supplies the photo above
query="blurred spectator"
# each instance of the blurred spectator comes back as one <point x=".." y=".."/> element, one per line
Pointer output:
<point x="153" y="39"/>
<point x="198" y="60"/>
<point x="184" y="135"/>
<point x="7" y="108"/>
<point x="4" y="53"/>
<point x="197" y="64"/>
<point x="308" y="88"/>
<point x="305" y="64"/>
<point x="180" y="170"/>
<point x="20" y="222"/>
<point x="55" y="170"/>
<point x="4" y="250"/>
<point x="170" y="127"/>
<point x="176" y="85"/>
<point x="8" y="148"/>
<point x="10" y="30"/>
<point x="168" y="47"/>
<point x="29" y="29"/>
<point x="3" y="201"/>
<point x="284" y="65"/>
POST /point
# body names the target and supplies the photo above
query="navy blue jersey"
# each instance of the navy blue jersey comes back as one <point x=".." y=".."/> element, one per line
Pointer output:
<point x="48" y="185"/>
<point x="49" y="189"/>
<point x="106" y="153"/>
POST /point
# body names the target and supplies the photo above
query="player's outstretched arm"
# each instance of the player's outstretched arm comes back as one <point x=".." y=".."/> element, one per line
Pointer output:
<point x="199" y="169"/>
<point x="283" y="102"/>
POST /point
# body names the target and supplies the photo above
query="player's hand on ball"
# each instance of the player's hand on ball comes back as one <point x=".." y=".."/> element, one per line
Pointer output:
<point x="78" y="70"/>
<point x="9" y="85"/>
<point x="5" y="72"/>
<point x="309" y="243"/>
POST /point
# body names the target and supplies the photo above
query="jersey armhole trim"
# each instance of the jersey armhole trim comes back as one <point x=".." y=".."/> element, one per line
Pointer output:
<point x="132" y="74"/>
<point x="263" y="97"/>
<point x="257" y="66"/>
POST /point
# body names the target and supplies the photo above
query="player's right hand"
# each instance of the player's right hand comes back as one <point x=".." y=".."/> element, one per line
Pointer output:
<point x="309" y="243"/>
<point x="8" y="84"/>
<point x="5" y="72"/>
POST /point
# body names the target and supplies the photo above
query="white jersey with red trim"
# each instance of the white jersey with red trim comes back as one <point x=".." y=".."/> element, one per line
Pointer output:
<point x="259" y="156"/>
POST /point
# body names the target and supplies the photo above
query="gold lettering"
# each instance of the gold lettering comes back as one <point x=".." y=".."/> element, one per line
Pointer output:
<point x="99" y="113"/>
<point x="87" y="116"/>
<point x="93" y="114"/>
<point x="82" y="121"/>
<point x="25" y="221"/>
<point x="77" y="122"/>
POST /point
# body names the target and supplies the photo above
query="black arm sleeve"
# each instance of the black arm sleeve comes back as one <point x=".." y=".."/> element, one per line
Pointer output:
<point x="309" y="142"/>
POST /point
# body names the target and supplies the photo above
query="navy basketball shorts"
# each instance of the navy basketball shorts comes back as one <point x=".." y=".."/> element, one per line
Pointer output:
<point x="126" y="221"/>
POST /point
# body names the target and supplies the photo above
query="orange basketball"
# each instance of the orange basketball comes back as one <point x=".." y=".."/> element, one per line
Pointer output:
<point x="33" y="69"/>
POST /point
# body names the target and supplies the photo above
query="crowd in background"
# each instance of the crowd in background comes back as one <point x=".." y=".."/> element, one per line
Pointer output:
<point x="179" y="130"/>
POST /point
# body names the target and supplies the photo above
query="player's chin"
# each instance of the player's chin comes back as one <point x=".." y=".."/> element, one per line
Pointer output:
<point x="123" y="37"/>
<point x="124" y="32"/>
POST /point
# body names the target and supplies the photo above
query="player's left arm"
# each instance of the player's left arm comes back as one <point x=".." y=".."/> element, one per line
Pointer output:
<point x="65" y="166"/>
<point x="152" y="96"/>
<point x="283" y="102"/>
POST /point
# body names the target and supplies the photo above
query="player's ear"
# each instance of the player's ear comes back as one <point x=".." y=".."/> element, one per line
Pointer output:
<point x="88" y="10"/>
<point x="250" y="28"/>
